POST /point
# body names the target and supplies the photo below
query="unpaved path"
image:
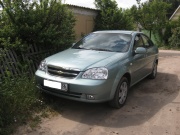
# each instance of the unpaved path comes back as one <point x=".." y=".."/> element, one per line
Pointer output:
<point x="152" y="108"/>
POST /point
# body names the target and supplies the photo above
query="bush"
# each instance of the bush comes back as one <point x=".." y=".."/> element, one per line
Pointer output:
<point x="44" y="23"/>
<point x="41" y="23"/>
<point x="168" y="30"/>
<point x="168" y="33"/>
<point x="174" y="41"/>
<point x="18" y="98"/>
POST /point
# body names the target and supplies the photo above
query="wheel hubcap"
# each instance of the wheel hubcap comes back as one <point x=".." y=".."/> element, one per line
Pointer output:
<point x="123" y="92"/>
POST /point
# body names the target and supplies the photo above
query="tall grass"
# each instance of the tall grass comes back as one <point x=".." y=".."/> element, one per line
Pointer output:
<point x="18" y="99"/>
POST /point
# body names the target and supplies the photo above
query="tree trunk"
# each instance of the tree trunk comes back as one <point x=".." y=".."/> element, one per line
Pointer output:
<point x="150" y="34"/>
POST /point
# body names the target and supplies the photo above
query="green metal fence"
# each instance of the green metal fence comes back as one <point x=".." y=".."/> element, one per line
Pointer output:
<point x="154" y="36"/>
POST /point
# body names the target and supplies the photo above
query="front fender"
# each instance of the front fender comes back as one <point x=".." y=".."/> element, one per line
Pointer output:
<point x="123" y="69"/>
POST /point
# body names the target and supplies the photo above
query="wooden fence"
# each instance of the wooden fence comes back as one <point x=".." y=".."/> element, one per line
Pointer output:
<point x="13" y="63"/>
<point x="8" y="63"/>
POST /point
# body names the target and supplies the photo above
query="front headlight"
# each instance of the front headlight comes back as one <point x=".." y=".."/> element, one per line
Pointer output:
<point x="96" y="73"/>
<point x="42" y="65"/>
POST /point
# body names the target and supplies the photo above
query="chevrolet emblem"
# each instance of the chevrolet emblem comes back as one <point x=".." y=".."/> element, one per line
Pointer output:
<point x="60" y="72"/>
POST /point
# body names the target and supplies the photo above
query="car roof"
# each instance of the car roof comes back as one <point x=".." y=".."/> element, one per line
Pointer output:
<point x="117" y="31"/>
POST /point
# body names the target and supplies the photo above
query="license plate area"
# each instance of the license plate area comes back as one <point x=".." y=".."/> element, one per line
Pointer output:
<point x="56" y="85"/>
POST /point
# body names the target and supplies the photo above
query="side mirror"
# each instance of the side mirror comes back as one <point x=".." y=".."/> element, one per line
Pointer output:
<point x="140" y="50"/>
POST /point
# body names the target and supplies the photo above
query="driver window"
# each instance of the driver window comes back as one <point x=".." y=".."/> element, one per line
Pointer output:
<point x="138" y="42"/>
<point x="146" y="43"/>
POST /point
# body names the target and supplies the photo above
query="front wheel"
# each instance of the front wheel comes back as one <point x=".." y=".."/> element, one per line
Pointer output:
<point x="120" y="94"/>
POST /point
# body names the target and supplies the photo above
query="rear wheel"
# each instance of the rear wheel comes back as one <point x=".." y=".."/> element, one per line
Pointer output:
<point x="154" y="72"/>
<point x="120" y="94"/>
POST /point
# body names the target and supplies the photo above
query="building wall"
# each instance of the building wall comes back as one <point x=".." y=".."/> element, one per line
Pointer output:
<point x="84" y="20"/>
<point x="84" y="25"/>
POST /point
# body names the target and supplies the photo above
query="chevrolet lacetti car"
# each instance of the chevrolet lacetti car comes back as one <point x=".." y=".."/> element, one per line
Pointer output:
<point x="100" y="67"/>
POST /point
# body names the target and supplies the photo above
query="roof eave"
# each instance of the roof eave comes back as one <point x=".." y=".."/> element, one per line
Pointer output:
<point x="81" y="7"/>
<point x="174" y="13"/>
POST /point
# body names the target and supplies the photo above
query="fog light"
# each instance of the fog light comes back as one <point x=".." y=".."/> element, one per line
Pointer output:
<point x="91" y="97"/>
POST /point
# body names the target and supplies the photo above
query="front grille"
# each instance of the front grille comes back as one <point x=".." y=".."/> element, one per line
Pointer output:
<point x="62" y="72"/>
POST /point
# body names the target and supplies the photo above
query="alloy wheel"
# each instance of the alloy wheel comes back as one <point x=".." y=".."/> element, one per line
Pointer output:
<point x="123" y="92"/>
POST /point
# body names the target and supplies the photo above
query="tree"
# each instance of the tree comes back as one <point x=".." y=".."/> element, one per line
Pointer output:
<point x="41" y="23"/>
<point x="102" y="4"/>
<point x="110" y="17"/>
<point x="174" y="6"/>
<point x="151" y="15"/>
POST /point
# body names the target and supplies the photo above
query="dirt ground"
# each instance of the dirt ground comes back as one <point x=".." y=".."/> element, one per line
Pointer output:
<point x="152" y="108"/>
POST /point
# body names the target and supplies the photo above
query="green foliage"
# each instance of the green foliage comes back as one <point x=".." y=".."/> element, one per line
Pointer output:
<point x="103" y="4"/>
<point x="43" y="23"/>
<point x="19" y="98"/>
<point x="151" y="15"/>
<point x="174" y="6"/>
<point x="111" y="17"/>
<point x="175" y="39"/>
<point x="168" y="31"/>
<point x="40" y="23"/>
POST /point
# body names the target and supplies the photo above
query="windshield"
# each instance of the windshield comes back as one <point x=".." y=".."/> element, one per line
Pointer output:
<point x="115" y="42"/>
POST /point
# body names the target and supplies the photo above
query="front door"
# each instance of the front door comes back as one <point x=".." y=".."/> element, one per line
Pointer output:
<point x="138" y="62"/>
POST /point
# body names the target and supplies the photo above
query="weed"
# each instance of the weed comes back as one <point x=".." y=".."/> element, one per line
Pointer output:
<point x="19" y="98"/>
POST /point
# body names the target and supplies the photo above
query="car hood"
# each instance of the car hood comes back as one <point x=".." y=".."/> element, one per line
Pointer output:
<point x="82" y="59"/>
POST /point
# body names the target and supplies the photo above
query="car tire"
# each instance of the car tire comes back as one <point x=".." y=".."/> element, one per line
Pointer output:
<point x="154" y="72"/>
<point x="120" y="94"/>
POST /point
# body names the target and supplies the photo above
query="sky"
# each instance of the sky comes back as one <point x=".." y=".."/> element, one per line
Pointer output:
<point x="89" y="3"/>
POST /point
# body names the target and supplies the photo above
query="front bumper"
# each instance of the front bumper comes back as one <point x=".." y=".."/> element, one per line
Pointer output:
<point x="78" y="89"/>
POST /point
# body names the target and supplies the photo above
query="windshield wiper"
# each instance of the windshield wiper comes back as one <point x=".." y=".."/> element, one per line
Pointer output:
<point x="101" y="49"/>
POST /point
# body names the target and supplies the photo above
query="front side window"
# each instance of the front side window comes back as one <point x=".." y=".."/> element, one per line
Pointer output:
<point x="146" y="43"/>
<point x="138" y="42"/>
<point x="114" y="42"/>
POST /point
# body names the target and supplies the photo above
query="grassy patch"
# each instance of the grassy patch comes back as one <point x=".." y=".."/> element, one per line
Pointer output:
<point x="20" y="100"/>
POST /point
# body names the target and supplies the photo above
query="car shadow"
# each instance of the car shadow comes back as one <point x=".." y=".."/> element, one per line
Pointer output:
<point x="145" y="99"/>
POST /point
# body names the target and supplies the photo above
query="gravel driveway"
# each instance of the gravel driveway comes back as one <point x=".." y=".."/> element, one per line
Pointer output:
<point x="152" y="108"/>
